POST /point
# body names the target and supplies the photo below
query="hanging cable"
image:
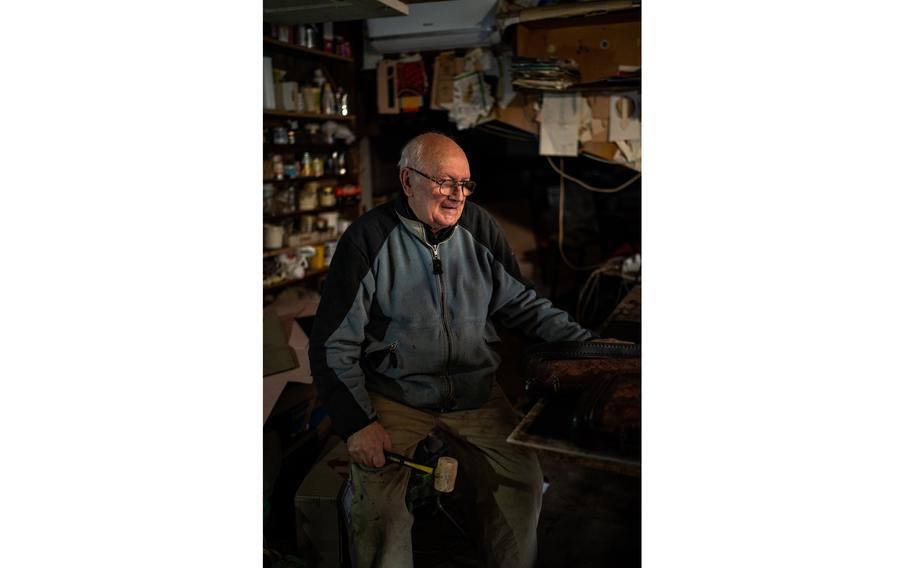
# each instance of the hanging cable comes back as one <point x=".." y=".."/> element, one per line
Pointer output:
<point x="562" y="212"/>
<point x="563" y="174"/>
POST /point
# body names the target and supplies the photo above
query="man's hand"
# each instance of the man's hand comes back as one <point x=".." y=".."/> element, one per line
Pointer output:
<point x="366" y="445"/>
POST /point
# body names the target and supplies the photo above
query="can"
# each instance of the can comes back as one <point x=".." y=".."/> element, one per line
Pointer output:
<point x="317" y="261"/>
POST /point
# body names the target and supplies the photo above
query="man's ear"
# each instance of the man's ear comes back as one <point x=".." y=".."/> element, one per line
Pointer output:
<point x="405" y="180"/>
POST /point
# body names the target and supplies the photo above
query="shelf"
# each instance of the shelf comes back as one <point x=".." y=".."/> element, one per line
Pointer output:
<point x="307" y="274"/>
<point x="617" y="86"/>
<point x="286" y="181"/>
<point x="315" y="241"/>
<point x="305" y="146"/>
<point x="310" y="212"/>
<point x="290" y="47"/>
<point x="305" y="115"/>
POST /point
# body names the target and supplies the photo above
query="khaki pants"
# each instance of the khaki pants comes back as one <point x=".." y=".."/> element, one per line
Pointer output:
<point x="506" y="480"/>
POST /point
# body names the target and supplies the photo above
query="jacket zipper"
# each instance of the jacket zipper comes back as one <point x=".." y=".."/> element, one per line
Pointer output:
<point x="393" y="359"/>
<point x="437" y="270"/>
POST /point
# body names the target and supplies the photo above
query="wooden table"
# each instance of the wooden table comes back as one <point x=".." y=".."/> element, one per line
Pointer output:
<point x="564" y="449"/>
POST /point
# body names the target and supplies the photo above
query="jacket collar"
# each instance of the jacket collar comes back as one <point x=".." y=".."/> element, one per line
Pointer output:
<point x="420" y="229"/>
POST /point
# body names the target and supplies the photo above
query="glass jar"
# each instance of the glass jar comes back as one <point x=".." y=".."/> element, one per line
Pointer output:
<point x="292" y="132"/>
<point x="327" y="196"/>
<point x="290" y="170"/>
<point x="308" y="199"/>
<point x="306" y="165"/>
<point x="277" y="167"/>
<point x="307" y="223"/>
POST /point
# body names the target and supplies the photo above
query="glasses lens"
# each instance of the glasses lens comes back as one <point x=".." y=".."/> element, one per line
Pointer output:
<point x="447" y="187"/>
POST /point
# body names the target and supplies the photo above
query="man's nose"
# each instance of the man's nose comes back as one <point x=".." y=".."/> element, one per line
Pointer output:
<point x="457" y="194"/>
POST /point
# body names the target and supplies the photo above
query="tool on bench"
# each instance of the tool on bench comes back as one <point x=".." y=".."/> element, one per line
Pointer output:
<point x="443" y="474"/>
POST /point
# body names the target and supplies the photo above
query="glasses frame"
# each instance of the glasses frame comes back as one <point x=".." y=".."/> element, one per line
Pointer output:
<point x="447" y="186"/>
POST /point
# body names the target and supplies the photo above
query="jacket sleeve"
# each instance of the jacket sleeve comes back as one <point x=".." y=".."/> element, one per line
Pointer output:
<point x="336" y="338"/>
<point x="516" y="303"/>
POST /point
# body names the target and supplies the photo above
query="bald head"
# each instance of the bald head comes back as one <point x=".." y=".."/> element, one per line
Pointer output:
<point x="428" y="147"/>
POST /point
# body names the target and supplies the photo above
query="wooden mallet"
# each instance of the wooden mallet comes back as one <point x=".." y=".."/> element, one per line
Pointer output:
<point x="443" y="474"/>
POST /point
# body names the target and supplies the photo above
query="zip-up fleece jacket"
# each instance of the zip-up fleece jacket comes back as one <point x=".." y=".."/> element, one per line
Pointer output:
<point x="408" y="315"/>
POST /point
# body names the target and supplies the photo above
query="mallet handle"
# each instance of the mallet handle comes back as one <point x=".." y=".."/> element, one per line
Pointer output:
<point x="399" y="459"/>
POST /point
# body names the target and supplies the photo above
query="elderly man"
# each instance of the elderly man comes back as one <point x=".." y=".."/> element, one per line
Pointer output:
<point x="402" y="345"/>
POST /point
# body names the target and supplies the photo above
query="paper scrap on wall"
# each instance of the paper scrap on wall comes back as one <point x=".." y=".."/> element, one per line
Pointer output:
<point x="625" y="117"/>
<point x="478" y="59"/>
<point x="560" y="118"/>
<point x="629" y="154"/>
<point x="471" y="100"/>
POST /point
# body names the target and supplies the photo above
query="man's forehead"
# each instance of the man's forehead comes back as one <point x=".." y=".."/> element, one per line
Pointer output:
<point x="454" y="163"/>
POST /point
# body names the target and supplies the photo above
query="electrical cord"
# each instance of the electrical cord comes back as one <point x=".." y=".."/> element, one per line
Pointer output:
<point x="590" y="292"/>
<point x="562" y="212"/>
<point x="606" y="161"/>
<point x="563" y="174"/>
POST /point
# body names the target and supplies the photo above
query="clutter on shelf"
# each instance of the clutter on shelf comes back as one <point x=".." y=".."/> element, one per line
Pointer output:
<point x="320" y="37"/>
<point x="315" y="95"/>
<point x="544" y="73"/>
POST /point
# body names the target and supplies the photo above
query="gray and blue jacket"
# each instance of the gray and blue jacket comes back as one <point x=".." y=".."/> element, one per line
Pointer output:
<point x="408" y="315"/>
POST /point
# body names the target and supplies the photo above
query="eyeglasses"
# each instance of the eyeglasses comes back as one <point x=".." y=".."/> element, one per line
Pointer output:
<point x="447" y="186"/>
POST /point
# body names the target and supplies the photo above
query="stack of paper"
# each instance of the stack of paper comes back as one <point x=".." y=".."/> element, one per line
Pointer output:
<point x="548" y="74"/>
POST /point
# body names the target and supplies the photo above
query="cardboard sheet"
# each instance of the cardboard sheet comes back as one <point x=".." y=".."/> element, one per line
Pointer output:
<point x="297" y="343"/>
<point x="519" y="114"/>
<point x="445" y="67"/>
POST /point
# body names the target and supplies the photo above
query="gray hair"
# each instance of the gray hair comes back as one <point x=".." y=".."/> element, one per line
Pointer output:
<point x="413" y="151"/>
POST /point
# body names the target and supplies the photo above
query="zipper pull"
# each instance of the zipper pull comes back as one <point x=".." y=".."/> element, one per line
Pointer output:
<point x="393" y="359"/>
<point x="437" y="262"/>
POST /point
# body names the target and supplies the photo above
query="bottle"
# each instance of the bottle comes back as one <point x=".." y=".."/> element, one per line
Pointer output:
<point x="344" y="47"/>
<point x="341" y="100"/>
<point x="328" y="31"/>
<point x="279" y="135"/>
<point x="340" y="168"/>
<point x="318" y="78"/>
<point x="277" y="167"/>
<point x="309" y="39"/>
<point x="292" y="131"/>
<point x="328" y="99"/>
<point x="330" y="163"/>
